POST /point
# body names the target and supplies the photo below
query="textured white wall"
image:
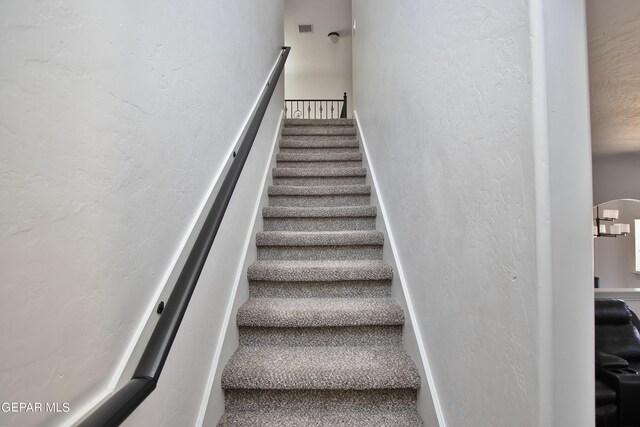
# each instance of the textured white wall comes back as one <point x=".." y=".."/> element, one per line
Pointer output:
<point x="441" y="89"/>
<point x="443" y="92"/>
<point x="115" y="119"/>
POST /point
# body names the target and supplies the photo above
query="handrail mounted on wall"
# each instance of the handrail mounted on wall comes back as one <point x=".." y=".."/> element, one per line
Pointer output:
<point x="114" y="410"/>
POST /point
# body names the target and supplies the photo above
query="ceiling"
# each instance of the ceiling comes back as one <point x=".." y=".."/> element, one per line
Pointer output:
<point x="613" y="28"/>
<point x="311" y="53"/>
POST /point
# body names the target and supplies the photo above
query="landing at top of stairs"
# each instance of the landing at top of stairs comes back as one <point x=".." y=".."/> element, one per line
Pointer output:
<point x="318" y="122"/>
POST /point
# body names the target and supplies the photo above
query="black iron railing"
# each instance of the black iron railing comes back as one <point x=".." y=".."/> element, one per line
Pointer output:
<point x="122" y="403"/>
<point x="316" y="108"/>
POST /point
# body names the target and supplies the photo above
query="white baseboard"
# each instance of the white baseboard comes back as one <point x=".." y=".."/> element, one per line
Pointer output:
<point x="233" y="302"/>
<point x="415" y="337"/>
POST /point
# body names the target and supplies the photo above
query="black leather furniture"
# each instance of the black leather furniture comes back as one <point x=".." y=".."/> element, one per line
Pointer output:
<point x="617" y="364"/>
<point x="606" y="406"/>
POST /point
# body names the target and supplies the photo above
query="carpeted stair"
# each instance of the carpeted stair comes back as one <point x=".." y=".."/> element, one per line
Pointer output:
<point x="320" y="335"/>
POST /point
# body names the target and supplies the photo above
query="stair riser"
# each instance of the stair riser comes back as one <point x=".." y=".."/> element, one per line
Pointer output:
<point x="303" y="418"/>
<point x="319" y="224"/>
<point x="328" y="150"/>
<point x="329" y="180"/>
<point x="351" y="289"/>
<point x="310" y="337"/>
<point x="319" y="400"/>
<point x="320" y="201"/>
<point x="319" y="131"/>
<point x="339" y="164"/>
<point x="318" y="122"/>
<point x="320" y="253"/>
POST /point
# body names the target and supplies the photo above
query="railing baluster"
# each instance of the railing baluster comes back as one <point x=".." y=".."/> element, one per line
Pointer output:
<point x="316" y="108"/>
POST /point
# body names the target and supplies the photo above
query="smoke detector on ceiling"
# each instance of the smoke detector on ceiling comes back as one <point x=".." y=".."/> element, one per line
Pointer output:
<point x="305" y="28"/>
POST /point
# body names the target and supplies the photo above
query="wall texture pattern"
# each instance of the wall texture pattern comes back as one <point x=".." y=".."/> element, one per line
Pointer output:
<point x="442" y="91"/>
<point x="115" y="118"/>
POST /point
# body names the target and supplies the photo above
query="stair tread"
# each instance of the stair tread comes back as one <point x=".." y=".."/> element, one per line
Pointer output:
<point x="291" y="142"/>
<point x="318" y="212"/>
<point x="359" y="368"/>
<point x="320" y="238"/>
<point x="319" y="271"/>
<point x="318" y="172"/>
<point x="318" y="157"/>
<point x="320" y="318"/>
<point x="317" y="190"/>
<point x="322" y="419"/>
<point x="317" y="130"/>
<point x="319" y="312"/>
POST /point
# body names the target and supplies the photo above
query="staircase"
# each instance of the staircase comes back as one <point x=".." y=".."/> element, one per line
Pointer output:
<point x="320" y="335"/>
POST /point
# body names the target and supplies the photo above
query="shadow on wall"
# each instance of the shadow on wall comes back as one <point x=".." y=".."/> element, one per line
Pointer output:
<point x="616" y="258"/>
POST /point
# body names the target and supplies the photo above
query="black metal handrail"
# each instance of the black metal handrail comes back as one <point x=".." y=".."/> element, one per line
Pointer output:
<point x="121" y="404"/>
<point x="315" y="108"/>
